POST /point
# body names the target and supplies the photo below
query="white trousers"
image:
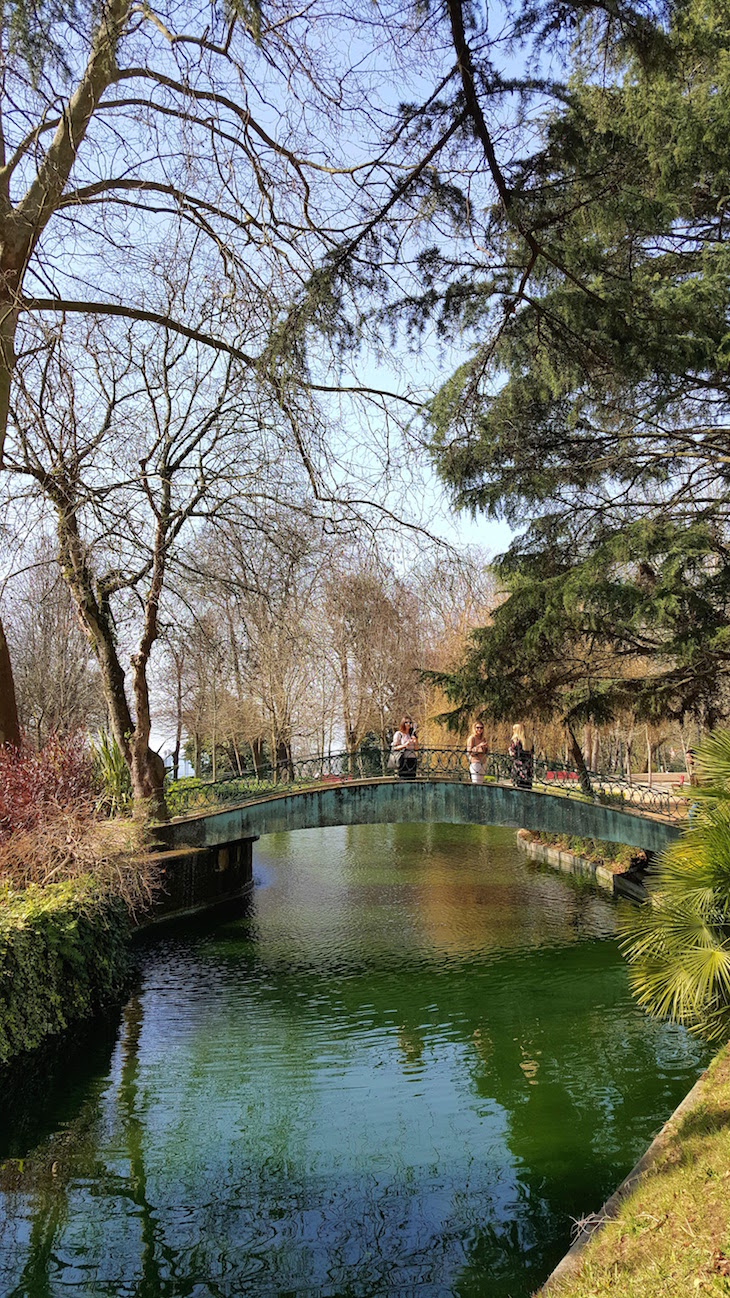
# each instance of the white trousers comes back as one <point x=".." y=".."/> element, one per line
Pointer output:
<point x="476" y="771"/>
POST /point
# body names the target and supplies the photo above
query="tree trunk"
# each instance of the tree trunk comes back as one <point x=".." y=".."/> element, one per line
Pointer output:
<point x="580" y="766"/>
<point x="148" y="782"/>
<point x="22" y="226"/>
<point x="587" y="744"/>
<point x="146" y="768"/>
<point x="178" y="721"/>
<point x="214" y="744"/>
<point x="9" y="727"/>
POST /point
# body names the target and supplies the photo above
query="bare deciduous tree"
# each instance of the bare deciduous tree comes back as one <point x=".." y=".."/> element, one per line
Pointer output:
<point x="57" y="682"/>
<point x="131" y="448"/>
<point x="9" y="724"/>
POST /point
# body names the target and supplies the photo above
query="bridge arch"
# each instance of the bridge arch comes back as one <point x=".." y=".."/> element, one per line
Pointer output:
<point x="388" y="801"/>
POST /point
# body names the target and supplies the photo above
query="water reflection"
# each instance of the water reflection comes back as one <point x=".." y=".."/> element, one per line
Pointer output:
<point x="403" y="1070"/>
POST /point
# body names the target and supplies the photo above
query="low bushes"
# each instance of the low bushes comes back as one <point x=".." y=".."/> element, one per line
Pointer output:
<point x="72" y="844"/>
<point x="186" y="796"/>
<point x="615" y="856"/>
<point x="53" y="826"/>
<point x="64" y="955"/>
<point x="71" y="881"/>
<point x="35" y="785"/>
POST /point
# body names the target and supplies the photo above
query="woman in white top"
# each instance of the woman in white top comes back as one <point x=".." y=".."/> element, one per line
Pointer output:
<point x="405" y="747"/>
<point x="476" y="749"/>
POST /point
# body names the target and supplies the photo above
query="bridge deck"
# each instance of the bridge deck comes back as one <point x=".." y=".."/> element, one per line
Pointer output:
<point x="384" y="800"/>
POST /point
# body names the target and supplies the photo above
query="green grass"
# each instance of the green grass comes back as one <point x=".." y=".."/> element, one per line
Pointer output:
<point x="671" y="1238"/>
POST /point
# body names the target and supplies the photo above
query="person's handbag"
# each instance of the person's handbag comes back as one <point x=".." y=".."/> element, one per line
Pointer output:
<point x="393" y="761"/>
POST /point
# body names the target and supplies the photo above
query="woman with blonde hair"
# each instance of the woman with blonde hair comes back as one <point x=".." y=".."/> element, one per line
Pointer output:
<point x="476" y="748"/>
<point x="522" y="758"/>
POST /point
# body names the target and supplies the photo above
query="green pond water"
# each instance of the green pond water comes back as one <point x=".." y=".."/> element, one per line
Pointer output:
<point x="401" y="1072"/>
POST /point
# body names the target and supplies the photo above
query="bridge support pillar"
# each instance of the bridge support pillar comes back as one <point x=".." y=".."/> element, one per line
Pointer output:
<point x="198" y="878"/>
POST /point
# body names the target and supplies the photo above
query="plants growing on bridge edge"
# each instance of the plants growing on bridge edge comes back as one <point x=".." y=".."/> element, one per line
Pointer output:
<point x="678" y="942"/>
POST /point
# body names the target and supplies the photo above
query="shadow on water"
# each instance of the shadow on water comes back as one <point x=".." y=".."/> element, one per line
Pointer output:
<point x="43" y="1090"/>
<point x="400" y="1071"/>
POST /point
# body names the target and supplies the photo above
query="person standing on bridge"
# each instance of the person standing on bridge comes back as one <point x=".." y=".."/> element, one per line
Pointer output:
<point x="405" y="747"/>
<point x="476" y="749"/>
<point x="522" y="759"/>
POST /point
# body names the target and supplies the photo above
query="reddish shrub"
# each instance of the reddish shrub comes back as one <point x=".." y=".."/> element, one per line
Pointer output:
<point x="34" y="786"/>
<point x="51" y="829"/>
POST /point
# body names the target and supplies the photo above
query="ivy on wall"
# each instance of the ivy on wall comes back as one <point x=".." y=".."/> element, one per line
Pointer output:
<point x="64" y="955"/>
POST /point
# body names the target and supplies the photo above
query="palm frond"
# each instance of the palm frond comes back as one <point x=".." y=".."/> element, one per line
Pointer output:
<point x="678" y="943"/>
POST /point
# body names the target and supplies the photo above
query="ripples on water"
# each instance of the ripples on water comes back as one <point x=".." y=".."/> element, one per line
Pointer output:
<point x="402" y="1072"/>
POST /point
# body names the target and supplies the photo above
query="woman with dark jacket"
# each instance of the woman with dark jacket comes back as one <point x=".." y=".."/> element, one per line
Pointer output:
<point x="522" y="759"/>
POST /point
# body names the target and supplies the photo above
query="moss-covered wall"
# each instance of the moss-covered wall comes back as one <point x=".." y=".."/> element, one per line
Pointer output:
<point x="64" y="955"/>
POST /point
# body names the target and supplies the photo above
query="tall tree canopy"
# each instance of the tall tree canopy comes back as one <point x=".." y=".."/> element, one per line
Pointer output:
<point x="593" y="411"/>
<point x="553" y="188"/>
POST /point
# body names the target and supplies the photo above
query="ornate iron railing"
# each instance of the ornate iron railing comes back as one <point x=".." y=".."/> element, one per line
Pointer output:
<point x="191" y="796"/>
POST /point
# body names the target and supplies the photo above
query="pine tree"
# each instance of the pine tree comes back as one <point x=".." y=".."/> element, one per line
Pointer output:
<point x="593" y="414"/>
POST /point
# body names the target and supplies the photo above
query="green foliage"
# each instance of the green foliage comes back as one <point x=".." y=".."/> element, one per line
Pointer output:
<point x="678" y="943"/>
<point x="64" y="955"/>
<point x="247" y="12"/>
<point x="112" y="774"/>
<point x="32" y="31"/>
<point x="190" y="794"/>
<point x="636" y="619"/>
<point x="597" y="850"/>
<point x="593" y="414"/>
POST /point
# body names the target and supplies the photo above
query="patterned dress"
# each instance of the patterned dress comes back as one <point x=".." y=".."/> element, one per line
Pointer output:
<point x="521" y="765"/>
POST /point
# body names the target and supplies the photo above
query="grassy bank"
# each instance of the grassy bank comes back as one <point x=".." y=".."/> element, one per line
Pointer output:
<point x="671" y="1236"/>
<point x="64" y="955"/>
<point x="616" y="857"/>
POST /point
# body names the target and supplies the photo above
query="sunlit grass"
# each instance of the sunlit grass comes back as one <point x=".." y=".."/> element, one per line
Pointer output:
<point x="671" y="1238"/>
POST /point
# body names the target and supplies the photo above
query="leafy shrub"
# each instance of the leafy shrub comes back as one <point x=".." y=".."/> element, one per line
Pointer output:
<point x="112" y="776"/>
<point x="52" y="828"/>
<point x="64" y="955"/>
<point x="73" y="843"/>
<point x="188" y="795"/>
<point x="678" y="942"/>
<point x="614" y="855"/>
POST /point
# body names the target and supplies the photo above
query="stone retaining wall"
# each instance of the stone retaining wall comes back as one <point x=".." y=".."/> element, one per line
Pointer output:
<point x="196" y="878"/>
<point x="626" y="884"/>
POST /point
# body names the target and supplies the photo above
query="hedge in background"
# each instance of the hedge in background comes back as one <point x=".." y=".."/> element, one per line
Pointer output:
<point x="64" y="955"/>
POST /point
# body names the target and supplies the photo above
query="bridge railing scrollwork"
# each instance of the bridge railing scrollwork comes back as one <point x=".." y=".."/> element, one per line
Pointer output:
<point x="190" y="796"/>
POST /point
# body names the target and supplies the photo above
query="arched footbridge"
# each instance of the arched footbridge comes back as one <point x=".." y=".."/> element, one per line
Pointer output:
<point x="347" y="789"/>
